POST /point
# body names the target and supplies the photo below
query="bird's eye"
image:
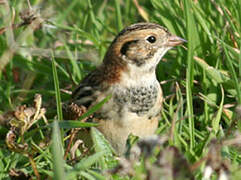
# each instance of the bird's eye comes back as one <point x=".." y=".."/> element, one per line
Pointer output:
<point x="151" y="39"/>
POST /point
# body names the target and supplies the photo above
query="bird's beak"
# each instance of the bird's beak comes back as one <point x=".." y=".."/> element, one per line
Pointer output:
<point x="175" y="41"/>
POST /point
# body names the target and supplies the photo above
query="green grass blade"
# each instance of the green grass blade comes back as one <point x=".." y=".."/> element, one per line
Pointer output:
<point x="118" y="15"/>
<point x="229" y="19"/>
<point x="202" y="22"/>
<point x="57" y="91"/>
<point x="233" y="75"/>
<point x="238" y="5"/>
<point x="94" y="20"/>
<point x="231" y="50"/>
<point x="94" y="108"/>
<point x="240" y="61"/>
<point x="212" y="73"/>
<point x="68" y="10"/>
<point x="76" y="70"/>
<point x="216" y="121"/>
<point x="68" y="124"/>
<point x="191" y="28"/>
<point x="57" y="153"/>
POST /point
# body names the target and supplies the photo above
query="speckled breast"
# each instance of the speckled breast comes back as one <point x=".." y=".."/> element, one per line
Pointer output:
<point x="138" y="99"/>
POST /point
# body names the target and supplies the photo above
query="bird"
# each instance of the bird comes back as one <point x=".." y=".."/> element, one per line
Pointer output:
<point x="128" y="75"/>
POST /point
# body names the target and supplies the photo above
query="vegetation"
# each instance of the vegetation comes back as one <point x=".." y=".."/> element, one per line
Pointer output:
<point x="47" y="47"/>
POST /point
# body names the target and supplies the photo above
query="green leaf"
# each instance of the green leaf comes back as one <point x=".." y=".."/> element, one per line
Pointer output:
<point x="89" y="161"/>
<point x="96" y="174"/>
<point x="101" y="144"/>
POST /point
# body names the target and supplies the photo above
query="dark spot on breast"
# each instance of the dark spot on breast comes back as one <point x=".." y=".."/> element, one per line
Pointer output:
<point x="138" y="100"/>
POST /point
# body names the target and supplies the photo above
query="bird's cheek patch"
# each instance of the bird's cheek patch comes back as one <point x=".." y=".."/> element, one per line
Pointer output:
<point x="126" y="46"/>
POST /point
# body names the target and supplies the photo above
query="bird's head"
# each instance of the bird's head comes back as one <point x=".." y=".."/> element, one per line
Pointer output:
<point x="142" y="45"/>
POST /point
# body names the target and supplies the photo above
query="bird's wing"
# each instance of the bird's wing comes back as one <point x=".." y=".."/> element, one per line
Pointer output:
<point x="83" y="96"/>
<point x="85" y="93"/>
